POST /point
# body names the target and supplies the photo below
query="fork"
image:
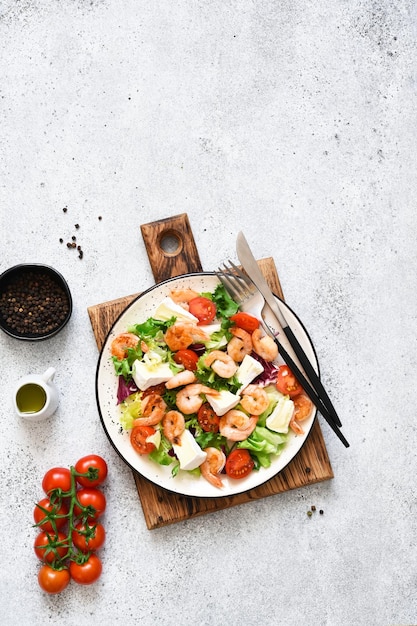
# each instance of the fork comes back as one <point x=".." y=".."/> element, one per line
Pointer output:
<point x="245" y="293"/>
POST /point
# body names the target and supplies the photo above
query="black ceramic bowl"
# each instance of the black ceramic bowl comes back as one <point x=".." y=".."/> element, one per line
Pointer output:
<point x="35" y="302"/>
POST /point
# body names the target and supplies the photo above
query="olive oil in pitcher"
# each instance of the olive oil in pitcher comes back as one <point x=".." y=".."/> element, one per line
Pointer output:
<point x="31" y="398"/>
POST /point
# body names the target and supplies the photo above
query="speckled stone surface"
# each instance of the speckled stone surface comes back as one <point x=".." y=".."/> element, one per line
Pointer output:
<point x="296" y="123"/>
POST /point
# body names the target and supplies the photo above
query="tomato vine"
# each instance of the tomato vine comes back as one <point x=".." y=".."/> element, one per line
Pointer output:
<point x="68" y="521"/>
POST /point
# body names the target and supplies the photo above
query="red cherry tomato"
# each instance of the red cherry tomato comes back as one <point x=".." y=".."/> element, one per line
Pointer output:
<point x="239" y="463"/>
<point x="287" y="382"/>
<point x="57" y="478"/>
<point x="88" y="572"/>
<point x="203" y="309"/>
<point x="53" y="580"/>
<point x="88" y="536"/>
<point x="138" y="438"/>
<point x="50" y="547"/>
<point x="40" y="515"/>
<point x="188" y="358"/>
<point x="245" y="321"/>
<point x="98" y="469"/>
<point x="94" y="502"/>
<point x="208" y="419"/>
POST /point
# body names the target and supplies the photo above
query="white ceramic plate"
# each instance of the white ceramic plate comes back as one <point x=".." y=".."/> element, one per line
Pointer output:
<point x="106" y="393"/>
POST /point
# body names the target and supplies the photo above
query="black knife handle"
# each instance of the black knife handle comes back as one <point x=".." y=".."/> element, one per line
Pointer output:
<point x="311" y="393"/>
<point x="311" y="374"/>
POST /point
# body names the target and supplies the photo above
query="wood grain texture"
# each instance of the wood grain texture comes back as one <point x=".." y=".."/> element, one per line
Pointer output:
<point x="161" y="507"/>
<point x="165" y="262"/>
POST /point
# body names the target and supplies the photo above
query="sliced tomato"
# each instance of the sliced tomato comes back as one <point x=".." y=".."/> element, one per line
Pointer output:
<point x="187" y="358"/>
<point x="287" y="382"/>
<point x="302" y="407"/>
<point x="208" y="419"/>
<point x="239" y="463"/>
<point x="245" y="321"/>
<point x="138" y="438"/>
<point x="203" y="309"/>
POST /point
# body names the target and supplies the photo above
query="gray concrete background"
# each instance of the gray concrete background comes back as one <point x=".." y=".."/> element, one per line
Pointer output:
<point x="296" y="123"/>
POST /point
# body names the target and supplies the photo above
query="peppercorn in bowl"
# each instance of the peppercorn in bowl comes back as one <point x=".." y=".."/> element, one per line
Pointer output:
<point x="35" y="302"/>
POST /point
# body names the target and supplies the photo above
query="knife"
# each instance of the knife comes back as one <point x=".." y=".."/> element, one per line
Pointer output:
<point x="251" y="267"/>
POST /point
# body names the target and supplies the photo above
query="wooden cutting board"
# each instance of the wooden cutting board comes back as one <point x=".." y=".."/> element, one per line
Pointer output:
<point x="172" y="251"/>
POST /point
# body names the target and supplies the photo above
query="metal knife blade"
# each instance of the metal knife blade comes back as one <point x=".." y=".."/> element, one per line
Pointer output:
<point x="251" y="267"/>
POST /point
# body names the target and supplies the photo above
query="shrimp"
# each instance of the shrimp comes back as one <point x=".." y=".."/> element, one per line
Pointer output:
<point x="213" y="465"/>
<point x="221" y="363"/>
<point x="121" y="344"/>
<point x="295" y="426"/>
<point x="182" y="378"/>
<point x="173" y="425"/>
<point x="236" y="425"/>
<point x="240" y="344"/>
<point x="189" y="400"/>
<point x="182" y="334"/>
<point x="264" y="346"/>
<point x="302" y="409"/>
<point x="254" y="399"/>
<point x="183" y="296"/>
<point x="153" y="410"/>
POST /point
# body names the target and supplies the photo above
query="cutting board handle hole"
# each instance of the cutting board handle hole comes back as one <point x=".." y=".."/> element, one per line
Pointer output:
<point x="170" y="242"/>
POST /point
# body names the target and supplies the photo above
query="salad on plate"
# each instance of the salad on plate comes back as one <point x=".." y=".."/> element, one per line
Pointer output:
<point x="201" y="388"/>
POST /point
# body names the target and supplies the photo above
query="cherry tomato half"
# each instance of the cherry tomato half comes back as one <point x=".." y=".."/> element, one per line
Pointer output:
<point x="138" y="438"/>
<point x="203" y="309"/>
<point x="57" y="478"/>
<point x="187" y="358"/>
<point x="88" y="536"/>
<point x="302" y="407"/>
<point x="53" y="580"/>
<point x="88" y="572"/>
<point x="245" y="321"/>
<point x="94" y="502"/>
<point x="98" y="464"/>
<point x="239" y="463"/>
<point x="49" y="547"/>
<point x="287" y="382"/>
<point x="208" y="419"/>
<point x="40" y="515"/>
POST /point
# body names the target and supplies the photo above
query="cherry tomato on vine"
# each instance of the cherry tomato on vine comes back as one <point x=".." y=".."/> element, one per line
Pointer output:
<point x="138" y="438"/>
<point x="46" y="549"/>
<point x="239" y="463"/>
<point x="91" y="498"/>
<point x="88" y="536"/>
<point x="97" y="463"/>
<point x="208" y="419"/>
<point x="53" y="580"/>
<point x="203" y="309"/>
<point x="245" y="321"/>
<point x="41" y="516"/>
<point x="188" y="358"/>
<point x="287" y="382"/>
<point x="88" y="572"/>
<point x="57" y="478"/>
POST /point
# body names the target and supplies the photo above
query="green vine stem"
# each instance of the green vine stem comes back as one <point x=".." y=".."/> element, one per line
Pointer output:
<point x="58" y="497"/>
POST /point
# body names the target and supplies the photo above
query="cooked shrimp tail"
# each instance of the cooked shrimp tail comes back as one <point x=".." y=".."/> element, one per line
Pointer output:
<point x="212" y="466"/>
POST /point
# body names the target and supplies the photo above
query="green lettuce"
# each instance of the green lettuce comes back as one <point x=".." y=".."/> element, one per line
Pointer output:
<point x="263" y="443"/>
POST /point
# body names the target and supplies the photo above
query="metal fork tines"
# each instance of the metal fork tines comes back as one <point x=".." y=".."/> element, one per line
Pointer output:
<point x="241" y="288"/>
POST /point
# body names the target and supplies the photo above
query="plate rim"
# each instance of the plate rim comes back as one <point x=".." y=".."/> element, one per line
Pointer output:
<point x="119" y="452"/>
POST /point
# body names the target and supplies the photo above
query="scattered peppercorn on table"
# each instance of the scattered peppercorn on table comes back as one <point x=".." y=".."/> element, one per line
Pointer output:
<point x="291" y="124"/>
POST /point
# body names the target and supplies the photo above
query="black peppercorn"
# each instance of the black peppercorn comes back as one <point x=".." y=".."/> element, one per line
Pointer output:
<point x="33" y="304"/>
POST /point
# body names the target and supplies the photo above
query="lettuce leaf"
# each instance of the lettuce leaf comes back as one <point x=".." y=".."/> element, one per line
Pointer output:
<point x="226" y="306"/>
<point x="263" y="443"/>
